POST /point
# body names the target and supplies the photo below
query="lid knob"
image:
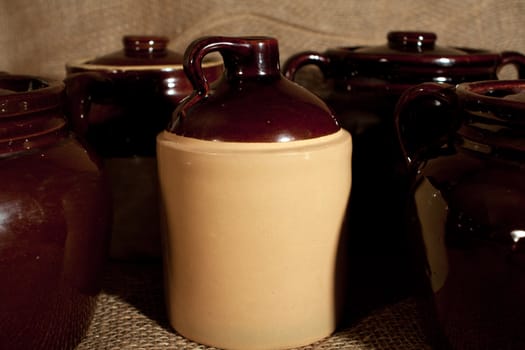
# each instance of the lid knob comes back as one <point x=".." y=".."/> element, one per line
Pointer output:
<point x="411" y="41"/>
<point x="136" y="45"/>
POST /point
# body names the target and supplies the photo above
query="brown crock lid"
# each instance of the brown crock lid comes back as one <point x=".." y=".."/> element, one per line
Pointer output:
<point x="410" y="43"/>
<point x="411" y="58"/>
<point x="407" y="51"/>
<point x="139" y="50"/>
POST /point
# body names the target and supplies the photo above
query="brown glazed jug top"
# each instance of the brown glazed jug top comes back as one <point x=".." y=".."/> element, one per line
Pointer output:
<point x="252" y="102"/>
<point x="29" y="112"/>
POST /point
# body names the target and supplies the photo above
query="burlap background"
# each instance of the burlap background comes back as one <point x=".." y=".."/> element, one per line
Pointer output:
<point x="39" y="36"/>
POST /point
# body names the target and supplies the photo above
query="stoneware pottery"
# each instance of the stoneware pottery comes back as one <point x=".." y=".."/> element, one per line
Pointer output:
<point x="119" y="102"/>
<point x="467" y="209"/>
<point x="361" y="86"/>
<point x="54" y="220"/>
<point x="255" y="179"/>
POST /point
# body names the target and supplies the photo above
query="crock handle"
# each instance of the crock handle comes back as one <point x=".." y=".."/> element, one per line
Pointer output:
<point x="424" y="126"/>
<point x="516" y="59"/>
<point x="81" y="90"/>
<point x="299" y="60"/>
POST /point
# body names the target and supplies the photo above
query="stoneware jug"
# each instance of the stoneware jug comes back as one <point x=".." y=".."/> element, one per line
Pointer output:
<point x="119" y="102"/>
<point x="362" y="86"/>
<point x="255" y="177"/>
<point x="54" y="220"/>
<point x="467" y="209"/>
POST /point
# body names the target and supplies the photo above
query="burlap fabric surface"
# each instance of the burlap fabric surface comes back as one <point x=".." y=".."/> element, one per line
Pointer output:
<point x="39" y="36"/>
<point x="130" y="315"/>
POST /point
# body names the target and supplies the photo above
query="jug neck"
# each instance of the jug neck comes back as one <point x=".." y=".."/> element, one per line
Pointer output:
<point x="255" y="57"/>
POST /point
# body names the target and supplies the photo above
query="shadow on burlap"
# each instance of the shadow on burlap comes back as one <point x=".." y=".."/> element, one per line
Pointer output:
<point x="130" y="315"/>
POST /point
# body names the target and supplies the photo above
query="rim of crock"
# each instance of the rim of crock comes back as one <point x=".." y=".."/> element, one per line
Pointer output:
<point x="84" y="65"/>
<point x="26" y="102"/>
<point x="477" y="90"/>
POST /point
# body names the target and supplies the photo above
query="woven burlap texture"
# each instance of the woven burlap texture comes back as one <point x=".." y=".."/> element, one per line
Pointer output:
<point x="130" y="315"/>
<point x="40" y="36"/>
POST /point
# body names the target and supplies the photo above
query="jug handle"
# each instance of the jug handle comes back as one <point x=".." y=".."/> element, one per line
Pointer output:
<point x="514" y="58"/>
<point x="439" y="95"/>
<point x="198" y="49"/>
<point x="81" y="89"/>
<point x="299" y="60"/>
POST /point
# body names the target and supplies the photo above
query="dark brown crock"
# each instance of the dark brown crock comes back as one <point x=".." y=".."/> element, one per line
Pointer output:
<point x="54" y="220"/>
<point x="119" y="102"/>
<point x="466" y="210"/>
<point x="362" y="85"/>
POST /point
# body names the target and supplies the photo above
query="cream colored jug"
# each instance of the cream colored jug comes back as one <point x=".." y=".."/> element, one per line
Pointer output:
<point x="255" y="175"/>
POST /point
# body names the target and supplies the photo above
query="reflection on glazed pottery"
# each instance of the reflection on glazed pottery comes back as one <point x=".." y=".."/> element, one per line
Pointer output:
<point x="118" y="103"/>
<point x="54" y="221"/>
<point x="469" y="199"/>
<point x="432" y="211"/>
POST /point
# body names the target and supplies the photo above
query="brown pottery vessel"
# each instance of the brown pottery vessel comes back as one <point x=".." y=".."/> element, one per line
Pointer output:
<point x="54" y="220"/>
<point x="255" y="176"/>
<point x="362" y="85"/>
<point x="466" y="213"/>
<point x="119" y="102"/>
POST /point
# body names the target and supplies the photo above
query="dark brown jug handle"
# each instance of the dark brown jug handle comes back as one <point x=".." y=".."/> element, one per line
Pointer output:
<point x="197" y="50"/>
<point x="513" y="58"/>
<point x="299" y="60"/>
<point x="417" y="132"/>
<point x="81" y="90"/>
